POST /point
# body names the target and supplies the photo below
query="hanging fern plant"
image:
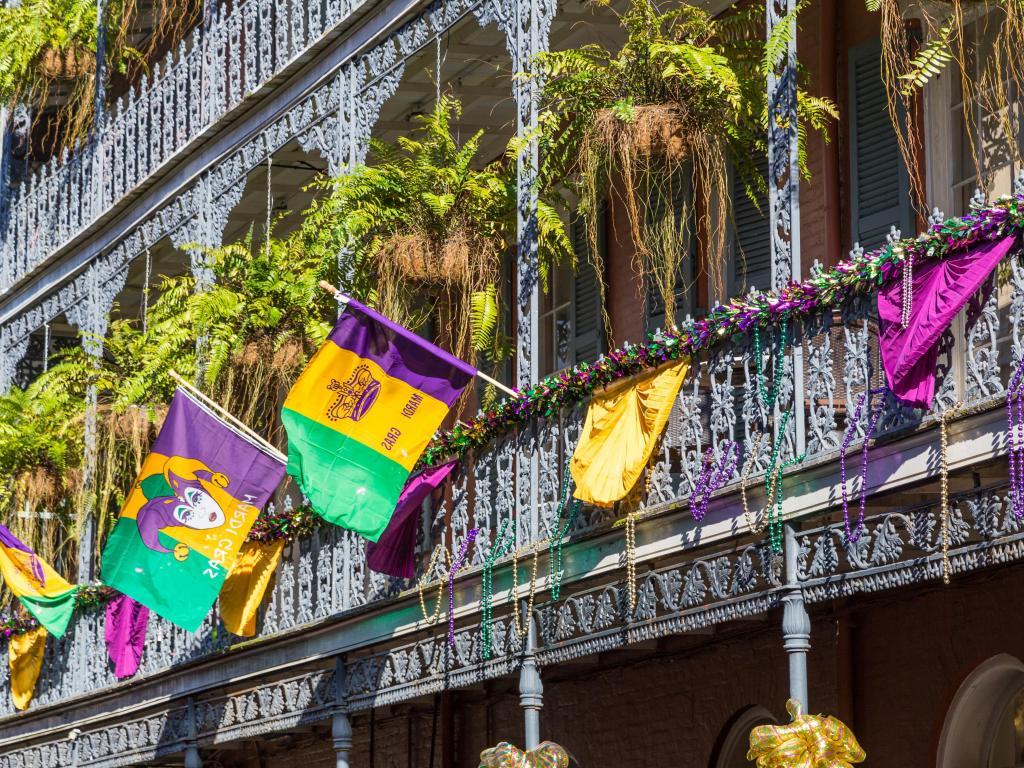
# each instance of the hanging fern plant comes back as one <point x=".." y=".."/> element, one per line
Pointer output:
<point x="991" y="85"/>
<point x="48" y="54"/>
<point x="423" y="230"/>
<point x="675" y="104"/>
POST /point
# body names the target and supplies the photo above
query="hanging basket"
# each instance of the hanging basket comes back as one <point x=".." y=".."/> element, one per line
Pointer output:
<point x="656" y="131"/>
<point x="415" y="258"/>
<point x="66" y="65"/>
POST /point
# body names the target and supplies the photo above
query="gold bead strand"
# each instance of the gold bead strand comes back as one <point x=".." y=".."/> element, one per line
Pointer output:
<point x="755" y="528"/>
<point x="631" y="561"/>
<point x="432" y="618"/>
<point x="944" y="490"/>
<point x="523" y="627"/>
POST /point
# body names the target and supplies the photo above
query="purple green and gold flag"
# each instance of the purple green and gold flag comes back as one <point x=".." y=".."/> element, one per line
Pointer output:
<point x="33" y="581"/>
<point x="188" y="514"/>
<point x="362" y="413"/>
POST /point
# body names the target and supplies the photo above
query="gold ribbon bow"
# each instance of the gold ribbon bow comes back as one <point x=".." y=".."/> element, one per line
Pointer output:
<point x="809" y="741"/>
<point x="505" y="755"/>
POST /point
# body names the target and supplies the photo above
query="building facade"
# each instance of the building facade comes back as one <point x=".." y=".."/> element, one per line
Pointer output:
<point x="663" y="653"/>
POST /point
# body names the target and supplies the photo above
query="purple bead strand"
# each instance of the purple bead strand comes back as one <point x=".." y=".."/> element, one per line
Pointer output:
<point x="466" y="542"/>
<point x="853" y="536"/>
<point x="712" y="478"/>
<point x="1015" y="438"/>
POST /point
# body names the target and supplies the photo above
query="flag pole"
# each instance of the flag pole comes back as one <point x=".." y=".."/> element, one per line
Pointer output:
<point x="480" y="374"/>
<point x="270" y="449"/>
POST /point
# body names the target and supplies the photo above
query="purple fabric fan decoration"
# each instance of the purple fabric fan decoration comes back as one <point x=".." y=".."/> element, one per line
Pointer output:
<point x="395" y="551"/>
<point x="940" y="289"/>
<point x="126" y="634"/>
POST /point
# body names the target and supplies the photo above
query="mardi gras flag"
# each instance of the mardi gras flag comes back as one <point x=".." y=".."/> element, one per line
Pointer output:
<point x="44" y="594"/>
<point x="362" y="413"/>
<point x="188" y="514"/>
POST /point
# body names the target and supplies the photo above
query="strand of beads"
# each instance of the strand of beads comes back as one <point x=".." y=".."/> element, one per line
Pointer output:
<point x="522" y="627"/>
<point x="773" y="486"/>
<point x="756" y="528"/>
<point x="631" y="561"/>
<point x="907" y="289"/>
<point x="852" y="536"/>
<point x="1015" y="440"/>
<point x="555" y="553"/>
<point x="944" y="477"/>
<point x="471" y="535"/>
<point x="769" y="401"/>
<point x="432" y="617"/>
<point x="502" y="542"/>
<point x="713" y="476"/>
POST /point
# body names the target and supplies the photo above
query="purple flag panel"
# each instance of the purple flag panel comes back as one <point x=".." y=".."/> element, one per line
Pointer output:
<point x="395" y="551"/>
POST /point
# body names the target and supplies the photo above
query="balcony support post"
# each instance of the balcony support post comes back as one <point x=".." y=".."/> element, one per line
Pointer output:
<point x="91" y="317"/>
<point x="100" y="95"/>
<point x="341" y="726"/>
<point x="784" y="201"/>
<point x="531" y="688"/>
<point x="527" y="25"/>
<point x="796" y="623"/>
<point x="193" y="759"/>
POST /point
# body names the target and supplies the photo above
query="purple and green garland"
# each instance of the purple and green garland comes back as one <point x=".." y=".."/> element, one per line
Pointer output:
<point x="859" y="275"/>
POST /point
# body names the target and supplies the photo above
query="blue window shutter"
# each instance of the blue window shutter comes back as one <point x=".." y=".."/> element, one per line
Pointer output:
<point x="880" y="187"/>
<point x="588" y="323"/>
<point x="751" y="235"/>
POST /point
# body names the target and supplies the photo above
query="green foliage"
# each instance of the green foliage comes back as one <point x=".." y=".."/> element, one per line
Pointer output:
<point x="423" y="230"/>
<point x="46" y="42"/>
<point x="259" y="325"/>
<point x="679" y="100"/>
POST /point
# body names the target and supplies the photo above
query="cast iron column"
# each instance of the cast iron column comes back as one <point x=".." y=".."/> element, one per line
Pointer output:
<point x="531" y="689"/>
<point x="341" y="726"/>
<point x="796" y="623"/>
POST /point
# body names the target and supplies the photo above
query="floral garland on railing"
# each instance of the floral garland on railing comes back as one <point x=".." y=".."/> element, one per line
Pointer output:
<point x="823" y="291"/>
<point x="18" y="622"/>
<point x="284" y="524"/>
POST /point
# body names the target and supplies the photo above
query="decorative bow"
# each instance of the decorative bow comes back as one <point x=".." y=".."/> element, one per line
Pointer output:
<point x="809" y="741"/>
<point x="505" y="755"/>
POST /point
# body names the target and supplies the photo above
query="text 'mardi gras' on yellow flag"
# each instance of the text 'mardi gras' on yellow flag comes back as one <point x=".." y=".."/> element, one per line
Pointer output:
<point x="48" y="597"/>
<point x="188" y="514"/>
<point x="362" y="413"/>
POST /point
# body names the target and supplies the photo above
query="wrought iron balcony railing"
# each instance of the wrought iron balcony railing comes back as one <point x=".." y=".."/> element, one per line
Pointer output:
<point x="325" y="575"/>
<point x="246" y="44"/>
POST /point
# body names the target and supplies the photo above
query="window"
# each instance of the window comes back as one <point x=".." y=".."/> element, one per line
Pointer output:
<point x="880" y="186"/>
<point x="751" y="235"/>
<point x="984" y="727"/>
<point x="982" y="153"/>
<point x="571" y="322"/>
<point x="683" y="227"/>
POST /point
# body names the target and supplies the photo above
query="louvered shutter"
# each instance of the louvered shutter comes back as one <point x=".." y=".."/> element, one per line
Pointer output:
<point x="588" y="324"/>
<point x="880" y="186"/>
<point x="655" y="306"/>
<point x="751" y="236"/>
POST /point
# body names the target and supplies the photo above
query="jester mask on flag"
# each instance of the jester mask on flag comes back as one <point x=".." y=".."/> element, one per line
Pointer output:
<point x="188" y="514"/>
<point x="362" y="413"/>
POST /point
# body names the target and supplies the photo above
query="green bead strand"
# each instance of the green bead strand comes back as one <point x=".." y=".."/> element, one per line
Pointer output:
<point x="502" y="543"/>
<point x="769" y="401"/>
<point x="555" y="556"/>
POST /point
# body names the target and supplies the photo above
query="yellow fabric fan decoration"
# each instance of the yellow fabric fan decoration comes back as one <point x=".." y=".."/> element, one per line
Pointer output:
<point x="25" y="659"/>
<point x="245" y="585"/>
<point x="809" y="741"/>
<point x="623" y="426"/>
